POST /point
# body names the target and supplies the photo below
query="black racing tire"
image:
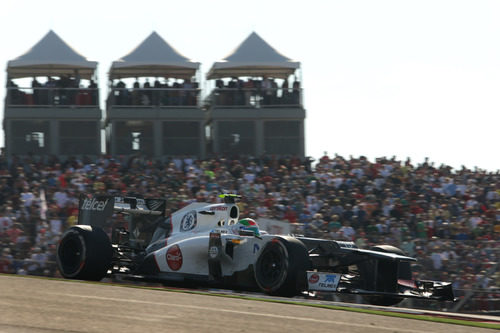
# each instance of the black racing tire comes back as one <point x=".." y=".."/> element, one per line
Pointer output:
<point x="404" y="268"/>
<point x="388" y="249"/>
<point x="404" y="273"/>
<point x="382" y="300"/>
<point x="281" y="268"/>
<point x="84" y="253"/>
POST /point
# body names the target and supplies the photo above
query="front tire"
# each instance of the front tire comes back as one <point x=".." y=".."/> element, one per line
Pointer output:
<point x="281" y="267"/>
<point x="84" y="253"/>
<point x="404" y="272"/>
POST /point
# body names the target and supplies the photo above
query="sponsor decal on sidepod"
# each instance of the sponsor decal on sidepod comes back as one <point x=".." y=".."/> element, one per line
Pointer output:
<point x="174" y="258"/>
<point x="188" y="221"/>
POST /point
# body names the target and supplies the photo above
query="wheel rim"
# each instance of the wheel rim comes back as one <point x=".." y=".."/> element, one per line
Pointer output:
<point x="71" y="255"/>
<point x="271" y="267"/>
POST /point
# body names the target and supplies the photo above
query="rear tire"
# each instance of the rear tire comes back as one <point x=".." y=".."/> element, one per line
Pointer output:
<point x="84" y="253"/>
<point x="281" y="267"/>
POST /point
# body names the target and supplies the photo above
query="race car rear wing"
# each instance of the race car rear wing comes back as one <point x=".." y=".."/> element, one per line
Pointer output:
<point x="95" y="210"/>
<point x="141" y="206"/>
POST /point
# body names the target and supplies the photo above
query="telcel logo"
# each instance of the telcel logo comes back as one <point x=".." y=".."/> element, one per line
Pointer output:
<point x="93" y="204"/>
<point x="329" y="282"/>
<point x="329" y="278"/>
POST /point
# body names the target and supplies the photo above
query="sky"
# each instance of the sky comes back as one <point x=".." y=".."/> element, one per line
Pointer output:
<point x="381" y="78"/>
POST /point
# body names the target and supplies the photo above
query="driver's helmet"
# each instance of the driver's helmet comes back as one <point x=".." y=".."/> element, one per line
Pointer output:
<point x="250" y="225"/>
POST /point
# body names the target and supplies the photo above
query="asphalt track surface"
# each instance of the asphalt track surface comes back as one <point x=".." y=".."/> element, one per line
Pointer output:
<point x="47" y="305"/>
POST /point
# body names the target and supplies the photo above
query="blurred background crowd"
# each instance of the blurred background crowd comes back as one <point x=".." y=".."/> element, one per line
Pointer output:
<point x="448" y="219"/>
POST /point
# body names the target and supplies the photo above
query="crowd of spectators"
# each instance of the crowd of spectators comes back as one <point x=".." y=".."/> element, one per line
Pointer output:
<point x="64" y="90"/>
<point x="177" y="92"/>
<point x="256" y="91"/>
<point x="448" y="219"/>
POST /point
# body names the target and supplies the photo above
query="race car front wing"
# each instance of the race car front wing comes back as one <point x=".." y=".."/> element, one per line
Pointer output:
<point x="343" y="283"/>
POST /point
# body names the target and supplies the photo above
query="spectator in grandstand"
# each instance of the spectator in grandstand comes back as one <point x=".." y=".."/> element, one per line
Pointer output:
<point x="274" y="92"/>
<point x="35" y="85"/>
<point x="146" y="93"/>
<point x="248" y="88"/>
<point x="285" y="93"/>
<point x="186" y="92"/>
<point x="267" y="91"/>
<point x="136" y="95"/>
<point x="14" y="95"/>
<point x="121" y="94"/>
<point x="6" y="261"/>
<point x="296" y="92"/>
<point x="94" y="93"/>
<point x="347" y="231"/>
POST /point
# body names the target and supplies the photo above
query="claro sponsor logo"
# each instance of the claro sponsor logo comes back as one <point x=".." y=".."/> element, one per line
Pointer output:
<point x="94" y="204"/>
<point x="314" y="278"/>
<point x="174" y="258"/>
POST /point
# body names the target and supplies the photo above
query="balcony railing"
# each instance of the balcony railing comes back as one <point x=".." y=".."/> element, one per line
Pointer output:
<point x="153" y="97"/>
<point x="255" y="98"/>
<point x="52" y="97"/>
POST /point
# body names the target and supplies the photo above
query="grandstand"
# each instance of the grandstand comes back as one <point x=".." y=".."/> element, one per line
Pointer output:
<point x="448" y="219"/>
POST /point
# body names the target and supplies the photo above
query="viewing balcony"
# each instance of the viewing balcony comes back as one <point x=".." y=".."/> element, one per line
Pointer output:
<point x="52" y="97"/>
<point x="254" y="98"/>
<point x="154" y="97"/>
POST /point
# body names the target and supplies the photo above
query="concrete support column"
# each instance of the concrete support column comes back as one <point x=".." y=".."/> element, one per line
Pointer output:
<point x="158" y="138"/>
<point x="112" y="138"/>
<point x="99" y="136"/>
<point x="215" y="137"/>
<point x="54" y="137"/>
<point x="8" y="137"/>
<point x="203" y="143"/>
<point x="259" y="138"/>
<point x="302" y="149"/>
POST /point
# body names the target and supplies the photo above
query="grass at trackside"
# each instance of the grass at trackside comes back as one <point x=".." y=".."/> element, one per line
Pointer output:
<point x="293" y="302"/>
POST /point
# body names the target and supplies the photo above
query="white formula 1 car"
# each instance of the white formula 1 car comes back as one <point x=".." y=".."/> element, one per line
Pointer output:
<point x="209" y="245"/>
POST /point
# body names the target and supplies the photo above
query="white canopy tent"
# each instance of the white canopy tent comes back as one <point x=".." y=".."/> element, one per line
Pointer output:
<point x="154" y="57"/>
<point x="254" y="57"/>
<point x="51" y="56"/>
